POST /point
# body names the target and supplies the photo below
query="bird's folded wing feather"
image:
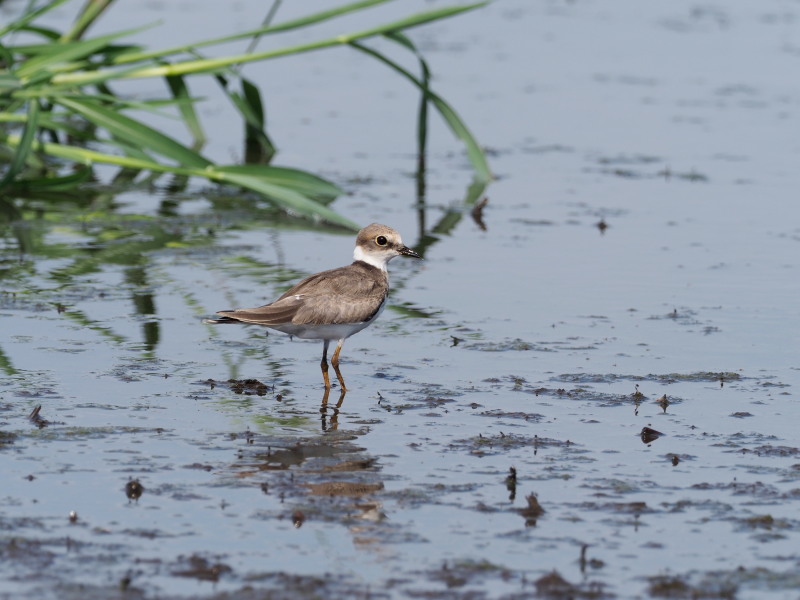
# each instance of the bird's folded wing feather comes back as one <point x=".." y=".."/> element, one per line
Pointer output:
<point x="341" y="295"/>
<point x="263" y="315"/>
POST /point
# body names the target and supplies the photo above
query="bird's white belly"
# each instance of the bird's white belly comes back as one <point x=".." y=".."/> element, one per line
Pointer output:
<point x="337" y="331"/>
<point x="332" y="331"/>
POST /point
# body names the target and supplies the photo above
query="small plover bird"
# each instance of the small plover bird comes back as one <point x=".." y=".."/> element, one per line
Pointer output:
<point x="335" y="304"/>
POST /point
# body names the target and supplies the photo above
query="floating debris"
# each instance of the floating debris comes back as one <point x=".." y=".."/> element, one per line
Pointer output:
<point x="531" y="512"/>
<point x="554" y="585"/>
<point x="248" y="387"/>
<point x="649" y="435"/>
<point x="343" y="488"/>
<point x="134" y="489"/>
<point x="298" y="518"/>
<point x="37" y="419"/>
<point x="202" y="569"/>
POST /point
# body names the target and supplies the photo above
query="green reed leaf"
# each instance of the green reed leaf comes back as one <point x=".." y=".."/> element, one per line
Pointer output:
<point x="134" y="132"/>
<point x="454" y="122"/>
<point x="250" y="177"/>
<point x="63" y="55"/>
<point x="305" y="21"/>
<point x="25" y="144"/>
<point x="295" y="179"/>
<point x="180" y="91"/>
<point x="217" y="65"/>
<point x="31" y="16"/>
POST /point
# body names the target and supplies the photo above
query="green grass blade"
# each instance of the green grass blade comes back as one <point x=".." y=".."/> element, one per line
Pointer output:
<point x="132" y="151"/>
<point x="258" y="146"/>
<point x="65" y="54"/>
<point x="134" y="132"/>
<point x="263" y="180"/>
<point x="276" y="4"/>
<point x="45" y="32"/>
<point x="251" y="99"/>
<point x="25" y="145"/>
<point x="415" y="20"/>
<point x="454" y="122"/>
<point x="109" y="51"/>
<point x="217" y="65"/>
<point x="251" y="112"/>
<point x="305" y="21"/>
<point x="180" y="91"/>
<point x="91" y="10"/>
<point x="461" y="131"/>
<point x="83" y="156"/>
<point x="287" y="198"/>
<point x="31" y="16"/>
<point x="6" y="59"/>
<point x="55" y="120"/>
<point x="324" y="15"/>
<point x="422" y="111"/>
<point x="8" y="83"/>
<point x="89" y="78"/>
<point x="299" y="181"/>
<point x="54" y="184"/>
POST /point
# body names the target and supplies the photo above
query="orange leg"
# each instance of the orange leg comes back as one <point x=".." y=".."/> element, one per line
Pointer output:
<point x="324" y="365"/>
<point x="335" y="363"/>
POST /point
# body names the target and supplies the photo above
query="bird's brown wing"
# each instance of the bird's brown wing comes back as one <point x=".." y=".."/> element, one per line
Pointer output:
<point x="263" y="315"/>
<point x="342" y="295"/>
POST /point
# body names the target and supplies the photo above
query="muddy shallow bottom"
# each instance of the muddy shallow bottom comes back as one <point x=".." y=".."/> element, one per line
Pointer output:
<point x="152" y="479"/>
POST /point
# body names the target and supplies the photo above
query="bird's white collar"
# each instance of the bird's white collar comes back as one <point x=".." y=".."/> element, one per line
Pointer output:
<point x="376" y="260"/>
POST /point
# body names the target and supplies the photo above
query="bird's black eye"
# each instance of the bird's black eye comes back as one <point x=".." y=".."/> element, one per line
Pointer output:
<point x="381" y="240"/>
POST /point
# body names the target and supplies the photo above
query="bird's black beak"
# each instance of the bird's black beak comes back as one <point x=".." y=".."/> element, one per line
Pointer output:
<point x="405" y="251"/>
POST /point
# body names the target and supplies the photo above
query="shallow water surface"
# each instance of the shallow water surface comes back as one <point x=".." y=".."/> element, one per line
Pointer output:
<point x="548" y="407"/>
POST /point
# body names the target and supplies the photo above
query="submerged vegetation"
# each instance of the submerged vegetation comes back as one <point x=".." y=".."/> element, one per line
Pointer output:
<point x="60" y="114"/>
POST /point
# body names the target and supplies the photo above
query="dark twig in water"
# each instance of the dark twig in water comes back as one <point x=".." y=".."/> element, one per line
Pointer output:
<point x="37" y="419"/>
<point x="477" y="213"/>
<point x="511" y="483"/>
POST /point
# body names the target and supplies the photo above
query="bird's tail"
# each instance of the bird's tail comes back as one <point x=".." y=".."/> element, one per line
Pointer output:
<point x="220" y="321"/>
